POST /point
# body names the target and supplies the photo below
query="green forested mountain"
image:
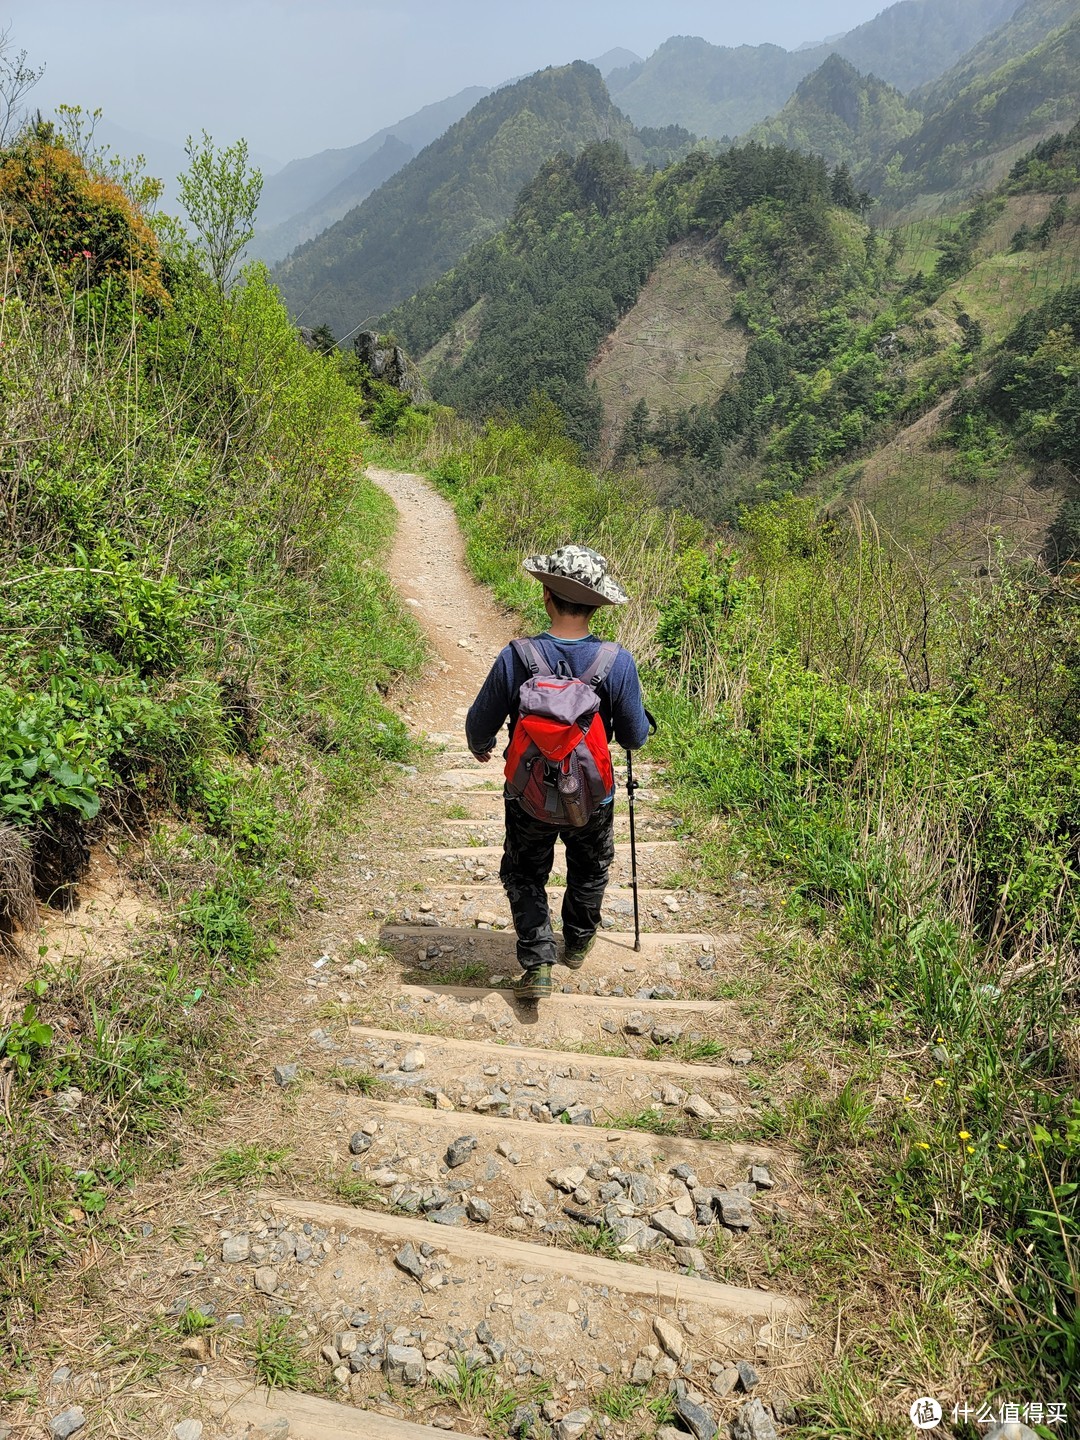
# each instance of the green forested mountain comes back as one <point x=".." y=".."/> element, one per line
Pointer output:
<point x="973" y="137"/>
<point x="536" y="301"/>
<point x="841" y="115"/>
<point x="721" y="90"/>
<point x="457" y="191"/>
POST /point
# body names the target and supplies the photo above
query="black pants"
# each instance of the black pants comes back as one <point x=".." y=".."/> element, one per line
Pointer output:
<point x="528" y="855"/>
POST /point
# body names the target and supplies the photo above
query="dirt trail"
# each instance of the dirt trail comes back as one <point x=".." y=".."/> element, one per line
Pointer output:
<point x="462" y="1214"/>
<point x="465" y="627"/>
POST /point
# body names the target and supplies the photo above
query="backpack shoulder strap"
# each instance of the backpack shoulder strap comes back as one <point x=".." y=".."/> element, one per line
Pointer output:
<point x="531" y="657"/>
<point x="601" y="666"/>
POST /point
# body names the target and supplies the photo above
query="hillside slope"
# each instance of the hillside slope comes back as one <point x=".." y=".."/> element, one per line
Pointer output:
<point x="722" y="90"/>
<point x="971" y="141"/>
<point x="457" y="191"/>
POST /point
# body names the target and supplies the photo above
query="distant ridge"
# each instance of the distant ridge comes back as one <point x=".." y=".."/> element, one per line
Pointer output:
<point x="720" y="90"/>
<point x="458" y="190"/>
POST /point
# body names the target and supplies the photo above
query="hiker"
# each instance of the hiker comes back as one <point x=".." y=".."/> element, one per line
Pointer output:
<point x="563" y="796"/>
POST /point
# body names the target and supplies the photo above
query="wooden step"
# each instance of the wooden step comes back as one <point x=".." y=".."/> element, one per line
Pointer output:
<point x="641" y="1281"/>
<point x="310" y="1417"/>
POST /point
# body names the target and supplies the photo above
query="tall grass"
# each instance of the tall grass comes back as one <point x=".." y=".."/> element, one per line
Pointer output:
<point x="196" y="643"/>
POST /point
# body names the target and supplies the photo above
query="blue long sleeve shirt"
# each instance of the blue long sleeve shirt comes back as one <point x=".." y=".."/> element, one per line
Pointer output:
<point x="621" y="707"/>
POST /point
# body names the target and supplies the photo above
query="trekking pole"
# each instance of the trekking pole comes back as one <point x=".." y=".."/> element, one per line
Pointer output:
<point x="631" y="786"/>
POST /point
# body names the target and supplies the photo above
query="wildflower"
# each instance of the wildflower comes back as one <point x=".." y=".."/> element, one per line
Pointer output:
<point x="921" y="1145"/>
<point x="939" y="1081"/>
<point x="87" y="254"/>
<point x="965" y="1135"/>
<point x="940" y="1040"/>
<point x="1001" y="1146"/>
<point x="971" y="1149"/>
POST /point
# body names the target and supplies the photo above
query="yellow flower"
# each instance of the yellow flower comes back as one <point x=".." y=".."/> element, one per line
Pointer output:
<point x="964" y="1135"/>
<point x="939" y="1081"/>
<point x="971" y="1149"/>
<point x="941" y="1039"/>
<point x="1001" y="1146"/>
<point x="921" y="1145"/>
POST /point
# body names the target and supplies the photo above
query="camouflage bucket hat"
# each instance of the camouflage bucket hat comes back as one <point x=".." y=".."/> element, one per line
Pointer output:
<point x="578" y="574"/>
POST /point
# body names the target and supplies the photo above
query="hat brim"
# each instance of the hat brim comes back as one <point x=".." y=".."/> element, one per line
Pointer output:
<point x="571" y="590"/>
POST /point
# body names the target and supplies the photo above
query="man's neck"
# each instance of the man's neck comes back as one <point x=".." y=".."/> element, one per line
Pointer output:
<point x="568" y="627"/>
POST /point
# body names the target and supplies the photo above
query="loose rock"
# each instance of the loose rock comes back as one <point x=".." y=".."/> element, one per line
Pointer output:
<point x="67" y="1422"/>
<point x="195" y="1347"/>
<point x="572" y="1426"/>
<point x="188" y="1430"/>
<point x="235" y="1249"/>
<point x="460" y="1150"/>
<point x="694" y="1416"/>
<point x="266" y="1279"/>
<point x="748" y="1376"/>
<point x="753" y="1422"/>
<point x="359" y="1142"/>
<point x="675" y="1227"/>
<point x="414" y="1059"/>
<point x="404" y="1365"/>
<point x="286" y="1075"/>
<point x="670" y="1337"/>
<point x="760" y="1176"/>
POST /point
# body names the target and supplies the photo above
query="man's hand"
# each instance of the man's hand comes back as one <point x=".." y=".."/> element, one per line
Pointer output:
<point x="483" y="756"/>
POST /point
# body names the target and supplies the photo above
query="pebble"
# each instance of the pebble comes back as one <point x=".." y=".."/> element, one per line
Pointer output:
<point x="636" y="1024"/>
<point x="235" y="1249"/>
<point x="725" y="1382"/>
<point x="694" y="1416"/>
<point x="748" y="1376"/>
<point x="735" y="1210"/>
<point x="741" y="1057"/>
<point x="188" y="1430"/>
<point x="573" y="1425"/>
<point x="407" y="1259"/>
<point x="670" y="1337"/>
<point x="67" y="1422"/>
<point x="460" y="1150"/>
<point x="266" y="1279"/>
<point x="286" y="1075"/>
<point x="698" y="1108"/>
<point x="569" y="1179"/>
<point x="359" y="1142"/>
<point x="675" y="1227"/>
<point x="479" y="1210"/>
<point x="414" y="1059"/>
<point x="753" y="1422"/>
<point x="195" y="1347"/>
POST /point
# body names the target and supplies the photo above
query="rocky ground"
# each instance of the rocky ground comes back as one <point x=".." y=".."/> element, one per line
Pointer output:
<point x="429" y="1208"/>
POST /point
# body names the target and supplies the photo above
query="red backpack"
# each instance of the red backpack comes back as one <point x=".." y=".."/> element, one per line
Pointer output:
<point x="558" y="764"/>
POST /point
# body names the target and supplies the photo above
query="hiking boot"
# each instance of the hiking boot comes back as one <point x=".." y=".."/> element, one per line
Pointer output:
<point x="574" y="955"/>
<point x="534" y="983"/>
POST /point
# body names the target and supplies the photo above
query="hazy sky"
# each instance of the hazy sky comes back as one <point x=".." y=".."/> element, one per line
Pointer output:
<point x="297" y="76"/>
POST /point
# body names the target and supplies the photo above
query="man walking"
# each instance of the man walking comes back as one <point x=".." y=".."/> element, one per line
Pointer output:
<point x="576" y="584"/>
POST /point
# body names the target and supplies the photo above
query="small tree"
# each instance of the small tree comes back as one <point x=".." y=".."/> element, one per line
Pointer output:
<point x="16" y="80"/>
<point x="220" y="193"/>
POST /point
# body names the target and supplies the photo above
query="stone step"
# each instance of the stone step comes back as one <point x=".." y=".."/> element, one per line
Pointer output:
<point x="662" y="908"/>
<point x="234" y="1403"/>
<point x="568" y="1020"/>
<point x="685" y="964"/>
<point x="657" y="862"/>
<point x="535" y="1085"/>
<point x="662" y="1288"/>
<point x="517" y="1177"/>
<point x="450" y="1055"/>
<point x="611" y="947"/>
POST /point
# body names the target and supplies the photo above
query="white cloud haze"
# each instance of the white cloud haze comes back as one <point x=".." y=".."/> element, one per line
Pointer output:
<point x="297" y="76"/>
